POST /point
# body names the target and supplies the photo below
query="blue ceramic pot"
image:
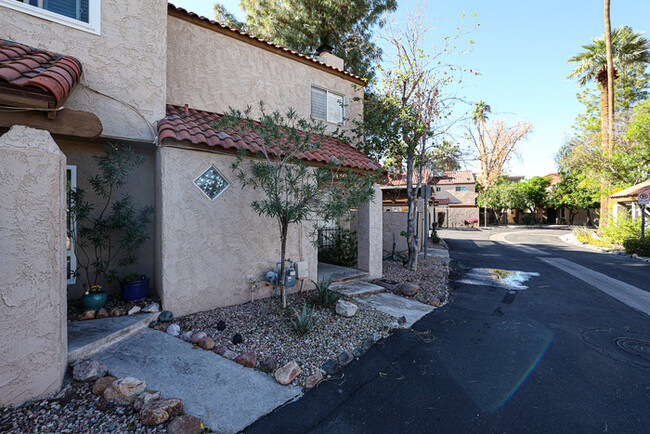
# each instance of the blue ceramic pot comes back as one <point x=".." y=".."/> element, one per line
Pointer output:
<point x="134" y="291"/>
<point x="95" y="301"/>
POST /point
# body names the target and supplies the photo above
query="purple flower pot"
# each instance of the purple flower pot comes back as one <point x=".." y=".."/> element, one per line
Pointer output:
<point x="136" y="290"/>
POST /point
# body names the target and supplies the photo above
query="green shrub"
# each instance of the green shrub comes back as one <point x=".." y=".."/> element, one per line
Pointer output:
<point x="640" y="246"/>
<point x="434" y="234"/>
<point x="527" y="219"/>
<point x="621" y="229"/>
<point x="584" y="235"/>
<point x="343" y="252"/>
<point x="324" y="295"/>
<point x="441" y="219"/>
<point x="304" y="320"/>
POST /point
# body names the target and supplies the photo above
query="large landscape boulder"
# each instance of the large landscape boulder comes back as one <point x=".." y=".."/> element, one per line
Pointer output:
<point x="159" y="411"/>
<point x="125" y="391"/>
<point x="88" y="370"/>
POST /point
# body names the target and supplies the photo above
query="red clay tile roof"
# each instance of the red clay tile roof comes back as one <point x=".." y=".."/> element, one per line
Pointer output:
<point x="643" y="187"/>
<point x="195" y="126"/>
<point x="457" y="177"/>
<point x="22" y="67"/>
<point x="443" y="201"/>
<point x="171" y="7"/>
<point x="398" y="179"/>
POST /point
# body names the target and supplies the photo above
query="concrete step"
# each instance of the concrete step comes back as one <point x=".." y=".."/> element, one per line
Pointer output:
<point x="339" y="274"/>
<point x="357" y="288"/>
<point x="397" y="306"/>
<point x="86" y="338"/>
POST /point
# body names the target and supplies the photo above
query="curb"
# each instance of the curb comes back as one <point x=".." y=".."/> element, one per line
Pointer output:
<point x="571" y="239"/>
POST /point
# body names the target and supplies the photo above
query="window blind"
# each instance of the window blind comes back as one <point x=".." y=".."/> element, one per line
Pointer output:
<point x="318" y="104"/>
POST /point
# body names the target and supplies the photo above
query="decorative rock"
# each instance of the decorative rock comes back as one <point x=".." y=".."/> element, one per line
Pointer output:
<point x="142" y="400"/>
<point x="346" y="309"/>
<point x="401" y="320"/>
<point x="196" y="337"/>
<point x="376" y="337"/>
<point x="186" y="336"/>
<point x="248" y="359"/>
<point x="153" y="324"/>
<point x="89" y="314"/>
<point x="151" y="308"/>
<point x="161" y="327"/>
<point x="102" y="313"/>
<point x="330" y="367"/>
<point x="344" y="358"/>
<point x="268" y="365"/>
<point x="221" y="326"/>
<point x="134" y="310"/>
<point x="166" y="316"/>
<point x="159" y="411"/>
<point x="287" y="373"/>
<point x="230" y="355"/>
<point x="225" y="352"/>
<point x="358" y="352"/>
<point x="367" y="343"/>
<point x="125" y="391"/>
<point x="237" y="339"/>
<point x="435" y="301"/>
<point x="313" y="380"/>
<point x="184" y="425"/>
<point x="408" y="288"/>
<point x="174" y="330"/>
<point x="206" y="343"/>
<point x="117" y="311"/>
<point x="88" y="370"/>
<point x="101" y="384"/>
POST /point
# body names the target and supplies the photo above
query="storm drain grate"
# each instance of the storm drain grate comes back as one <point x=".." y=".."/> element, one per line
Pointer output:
<point x="637" y="347"/>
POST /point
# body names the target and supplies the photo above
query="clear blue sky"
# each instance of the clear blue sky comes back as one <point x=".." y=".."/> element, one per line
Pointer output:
<point x="520" y="49"/>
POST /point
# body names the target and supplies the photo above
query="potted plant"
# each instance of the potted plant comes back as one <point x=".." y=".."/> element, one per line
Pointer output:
<point x="134" y="287"/>
<point x="94" y="298"/>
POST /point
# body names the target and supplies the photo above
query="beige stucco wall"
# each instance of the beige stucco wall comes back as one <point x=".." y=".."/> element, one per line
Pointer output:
<point x="139" y="184"/>
<point x="393" y="224"/>
<point x="33" y="348"/>
<point x="126" y="62"/>
<point x="448" y="191"/>
<point x="207" y="249"/>
<point x="210" y="71"/>
<point x="369" y="234"/>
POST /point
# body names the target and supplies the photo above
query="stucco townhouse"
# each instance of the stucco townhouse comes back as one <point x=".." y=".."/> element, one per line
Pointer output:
<point x="75" y="75"/>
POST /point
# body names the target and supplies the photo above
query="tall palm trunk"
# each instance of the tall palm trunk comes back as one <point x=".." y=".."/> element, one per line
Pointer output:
<point x="608" y="143"/>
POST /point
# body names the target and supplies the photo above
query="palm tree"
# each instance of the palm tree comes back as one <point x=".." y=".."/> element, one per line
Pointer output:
<point x="628" y="49"/>
<point x="481" y="109"/>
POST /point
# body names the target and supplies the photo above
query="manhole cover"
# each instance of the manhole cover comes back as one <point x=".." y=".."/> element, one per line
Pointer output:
<point x="638" y="347"/>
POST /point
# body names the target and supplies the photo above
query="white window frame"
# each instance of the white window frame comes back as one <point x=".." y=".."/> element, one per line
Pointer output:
<point x="94" y="15"/>
<point x="70" y="252"/>
<point x="327" y="95"/>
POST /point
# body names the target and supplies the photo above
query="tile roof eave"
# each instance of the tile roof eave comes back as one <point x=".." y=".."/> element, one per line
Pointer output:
<point x="251" y="39"/>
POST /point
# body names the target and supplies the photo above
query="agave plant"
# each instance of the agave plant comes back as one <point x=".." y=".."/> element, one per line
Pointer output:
<point x="324" y="295"/>
<point x="303" y="320"/>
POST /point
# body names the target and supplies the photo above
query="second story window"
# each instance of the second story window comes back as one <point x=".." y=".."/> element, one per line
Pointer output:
<point x="461" y="188"/>
<point x="327" y="106"/>
<point x="438" y="189"/>
<point x="81" y="14"/>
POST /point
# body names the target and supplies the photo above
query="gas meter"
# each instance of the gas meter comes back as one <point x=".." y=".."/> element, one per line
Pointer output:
<point x="290" y="276"/>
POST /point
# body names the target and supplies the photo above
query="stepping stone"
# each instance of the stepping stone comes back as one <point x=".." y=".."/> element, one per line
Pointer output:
<point x="357" y="288"/>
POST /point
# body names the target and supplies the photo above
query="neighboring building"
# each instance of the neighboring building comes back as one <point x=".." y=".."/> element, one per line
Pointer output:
<point x="626" y="201"/>
<point x="153" y="76"/>
<point x="458" y="190"/>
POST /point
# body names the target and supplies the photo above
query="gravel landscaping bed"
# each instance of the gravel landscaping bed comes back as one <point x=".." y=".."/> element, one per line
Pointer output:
<point x="266" y="330"/>
<point x="430" y="277"/>
<point x="113" y="304"/>
<point x="76" y="410"/>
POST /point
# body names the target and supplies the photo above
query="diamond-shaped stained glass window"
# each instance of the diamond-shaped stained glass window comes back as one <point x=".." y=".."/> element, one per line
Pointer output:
<point x="212" y="183"/>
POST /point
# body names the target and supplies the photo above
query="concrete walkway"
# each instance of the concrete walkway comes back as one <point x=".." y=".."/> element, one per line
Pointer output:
<point x="226" y="396"/>
<point x="397" y="306"/>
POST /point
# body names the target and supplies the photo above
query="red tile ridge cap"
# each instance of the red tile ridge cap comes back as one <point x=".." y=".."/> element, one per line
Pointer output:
<point x="183" y="11"/>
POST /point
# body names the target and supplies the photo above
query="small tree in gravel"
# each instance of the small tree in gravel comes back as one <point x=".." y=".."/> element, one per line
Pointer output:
<point x="294" y="191"/>
<point x="110" y="230"/>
